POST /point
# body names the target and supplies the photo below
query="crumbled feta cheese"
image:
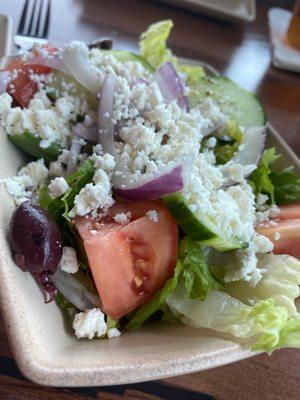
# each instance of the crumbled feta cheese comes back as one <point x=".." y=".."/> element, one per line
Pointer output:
<point x="57" y="187"/>
<point x="237" y="172"/>
<point x="277" y="236"/>
<point x="262" y="244"/>
<point x="17" y="185"/>
<point x="113" y="333"/>
<point x="211" y="142"/>
<point x="93" y="196"/>
<point x="123" y="218"/>
<point x="69" y="262"/>
<point x="56" y="169"/>
<point x="89" y="324"/>
<point x="52" y="123"/>
<point x="261" y="200"/>
<point x="37" y="171"/>
<point x="29" y="179"/>
<point x="152" y="214"/>
<point x="105" y="162"/>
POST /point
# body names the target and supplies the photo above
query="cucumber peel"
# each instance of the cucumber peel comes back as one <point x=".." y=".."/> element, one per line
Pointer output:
<point x="234" y="101"/>
<point x="202" y="230"/>
<point x="31" y="145"/>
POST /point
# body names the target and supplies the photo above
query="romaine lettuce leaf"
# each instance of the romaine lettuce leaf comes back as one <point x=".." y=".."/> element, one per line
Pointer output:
<point x="286" y="186"/>
<point x="264" y="326"/>
<point x="153" y="48"/>
<point x="260" y="178"/>
<point x="282" y="187"/>
<point x="263" y="316"/>
<point x="280" y="280"/>
<point x="60" y="206"/>
<point x="198" y="277"/>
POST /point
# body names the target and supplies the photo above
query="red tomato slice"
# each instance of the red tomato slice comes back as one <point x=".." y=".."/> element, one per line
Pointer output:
<point x="22" y="88"/>
<point x="291" y="211"/>
<point x="130" y="263"/>
<point x="288" y="232"/>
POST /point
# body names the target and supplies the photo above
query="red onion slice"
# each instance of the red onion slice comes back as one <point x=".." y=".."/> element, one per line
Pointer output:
<point x="169" y="179"/>
<point x="171" y="85"/>
<point x="89" y="133"/>
<point x="4" y="79"/>
<point x="76" y="57"/>
<point x="252" y="146"/>
<point x="105" y="117"/>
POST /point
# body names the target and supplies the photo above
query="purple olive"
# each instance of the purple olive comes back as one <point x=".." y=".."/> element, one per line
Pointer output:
<point x="36" y="243"/>
<point x="35" y="239"/>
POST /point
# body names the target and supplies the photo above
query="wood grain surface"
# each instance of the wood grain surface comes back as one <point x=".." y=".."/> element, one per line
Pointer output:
<point x="242" y="52"/>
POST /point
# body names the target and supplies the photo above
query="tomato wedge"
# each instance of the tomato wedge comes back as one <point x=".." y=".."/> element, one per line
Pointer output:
<point x="130" y="263"/>
<point x="22" y="88"/>
<point x="284" y="232"/>
<point x="291" y="211"/>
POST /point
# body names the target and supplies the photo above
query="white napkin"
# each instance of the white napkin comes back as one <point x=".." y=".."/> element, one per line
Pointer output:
<point x="284" y="56"/>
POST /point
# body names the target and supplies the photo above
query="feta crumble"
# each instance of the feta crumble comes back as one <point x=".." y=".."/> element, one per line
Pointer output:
<point x="27" y="182"/>
<point x="113" y="332"/>
<point x="89" y="324"/>
<point x="277" y="236"/>
<point x="123" y="218"/>
<point x="69" y="262"/>
<point x="57" y="187"/>
<point x="152" y="214"/>
<point x="93" y="195"/>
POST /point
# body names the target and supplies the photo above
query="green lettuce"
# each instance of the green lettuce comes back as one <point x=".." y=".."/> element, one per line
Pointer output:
<point x="156" y="303"/>
<point x="264" y="316"/>
<point x="280" y="280"/>
<point x="286" y="186"/>
<point x="61" y="206"/>
<point x="197" y="277"/>
<point x="260" y="178"/>
<point x="153" y="48"/>
<point x="282" y="187"/>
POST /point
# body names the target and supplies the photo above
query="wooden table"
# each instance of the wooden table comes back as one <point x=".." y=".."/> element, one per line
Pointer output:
<point x="242" y="52"/>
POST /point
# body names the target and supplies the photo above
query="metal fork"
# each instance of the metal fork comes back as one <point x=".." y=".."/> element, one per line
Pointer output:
<point x="33" y="27"/>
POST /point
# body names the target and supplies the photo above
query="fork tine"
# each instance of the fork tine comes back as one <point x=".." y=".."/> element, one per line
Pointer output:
<point x="22" y="21"/>
<point x="47" y="22"/>
<point x="39" y="17"/>
<point x="31" y="21"/>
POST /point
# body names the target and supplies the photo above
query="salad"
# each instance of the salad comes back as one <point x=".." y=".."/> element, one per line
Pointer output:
<point x="150" y="194"/>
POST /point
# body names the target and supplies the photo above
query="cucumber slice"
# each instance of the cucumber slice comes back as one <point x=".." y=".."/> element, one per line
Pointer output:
<point x="31" y="145"/>
<point x="124" y="56"/>
<point x="202" y="229"/>
<point x="234" y="101"/>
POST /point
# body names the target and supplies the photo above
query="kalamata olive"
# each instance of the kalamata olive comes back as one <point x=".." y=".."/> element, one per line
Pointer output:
<point x="35" y="239"/>
<point x="101" y="43"/>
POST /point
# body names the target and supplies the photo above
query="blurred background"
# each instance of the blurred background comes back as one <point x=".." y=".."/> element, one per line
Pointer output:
<point x="232" y="35"/>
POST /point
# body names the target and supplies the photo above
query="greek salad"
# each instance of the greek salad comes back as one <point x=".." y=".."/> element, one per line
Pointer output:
<point x="150" y="194"/>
